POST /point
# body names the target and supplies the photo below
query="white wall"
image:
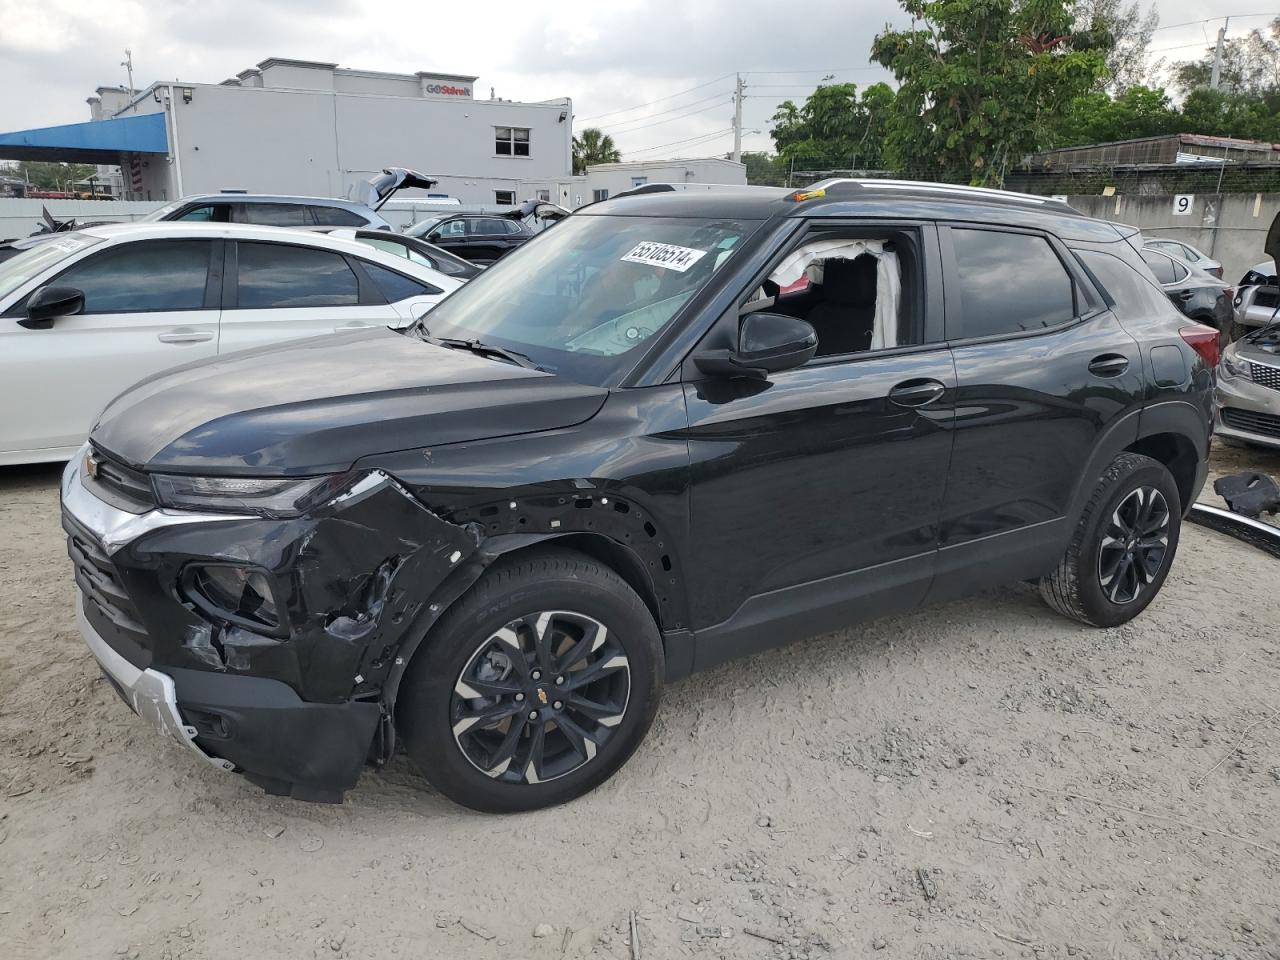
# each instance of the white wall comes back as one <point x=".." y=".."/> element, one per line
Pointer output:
<point x="316" y="143"/>
<point x="21" y="218"/>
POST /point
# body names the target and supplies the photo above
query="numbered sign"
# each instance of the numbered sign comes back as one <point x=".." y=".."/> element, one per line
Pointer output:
<point x="1183" y="202"/>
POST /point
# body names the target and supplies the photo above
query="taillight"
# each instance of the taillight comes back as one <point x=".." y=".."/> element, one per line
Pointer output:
<point x="1216" y="271"/>
<point x="1203" y="340"/>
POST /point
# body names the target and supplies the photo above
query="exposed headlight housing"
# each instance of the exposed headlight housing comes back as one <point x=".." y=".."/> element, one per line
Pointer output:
<point x="278" y="498"/>
<point x="1233" y="366"/>
<point x="241" y="596"/>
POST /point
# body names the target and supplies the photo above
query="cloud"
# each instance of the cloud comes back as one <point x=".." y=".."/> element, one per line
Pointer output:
<point x="626" y="64"/>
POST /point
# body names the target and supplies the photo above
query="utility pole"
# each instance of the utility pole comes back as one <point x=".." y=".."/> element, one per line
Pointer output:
<point x="738" y="87"/>
<point x="127" y="63"/>
<point x="1217" y="55"/>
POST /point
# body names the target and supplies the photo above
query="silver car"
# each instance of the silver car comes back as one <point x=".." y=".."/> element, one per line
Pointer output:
<point x="1188" y="254"/>
<point x="1257" y="300"/>
<point x="1247" y="398"/>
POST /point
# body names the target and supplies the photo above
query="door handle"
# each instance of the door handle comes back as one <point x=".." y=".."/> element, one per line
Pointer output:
<point x="1108" y="365"/>
<point x="1185" y="295"/>
<point x="355" y="325"/>
<point x="186" y="335"/>
<point x="916" y="393"/>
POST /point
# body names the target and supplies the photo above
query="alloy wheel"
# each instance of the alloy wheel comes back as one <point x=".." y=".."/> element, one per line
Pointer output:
<point x="1134" y="545"/>
<point x="540" y="697"/>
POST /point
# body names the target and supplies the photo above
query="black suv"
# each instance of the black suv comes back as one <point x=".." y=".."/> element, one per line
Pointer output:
<point x="676" y="429"/>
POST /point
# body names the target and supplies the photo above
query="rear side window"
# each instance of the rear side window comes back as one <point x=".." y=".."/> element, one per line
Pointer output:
<point x="396" y="286"/>
<point x="1133" y="294"/>
<point x="142" y="277"/>
<point x="273" y="214"/>
<point x="1007" y="283"/>
<point x="1165" y="269"/>
<point x="209" y="212"/>
<point x="278" y="275"/>
<point x="337" y="217"/>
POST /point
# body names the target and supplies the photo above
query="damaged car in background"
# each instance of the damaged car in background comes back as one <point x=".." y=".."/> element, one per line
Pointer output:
<point x="634" y="449"/>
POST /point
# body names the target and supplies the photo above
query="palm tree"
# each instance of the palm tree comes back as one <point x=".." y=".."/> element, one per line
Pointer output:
<point x="593" y="147"/>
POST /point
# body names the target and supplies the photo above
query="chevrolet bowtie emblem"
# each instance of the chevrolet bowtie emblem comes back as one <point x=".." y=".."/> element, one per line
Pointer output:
<point x="91" y="464"/>
<point x="542" y="696"/>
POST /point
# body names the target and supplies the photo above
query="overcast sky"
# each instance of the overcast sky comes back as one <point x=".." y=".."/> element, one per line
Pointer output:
<point x="657" y="75"/>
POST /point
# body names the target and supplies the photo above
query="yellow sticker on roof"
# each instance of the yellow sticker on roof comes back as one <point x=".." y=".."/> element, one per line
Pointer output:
<point x="666" y="255"/>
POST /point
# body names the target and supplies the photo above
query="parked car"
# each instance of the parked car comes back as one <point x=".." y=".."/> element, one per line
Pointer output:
<point x="479" y="238"/>
<point x="1187" y="254"/>
<point x="1247" y="399"/>
<point x="410" y="248"/>
<point x="621" y="455"/>
<point x="89" y="313"/>
<point x="1257" y="299"/>
<point x="1197" y="294"/>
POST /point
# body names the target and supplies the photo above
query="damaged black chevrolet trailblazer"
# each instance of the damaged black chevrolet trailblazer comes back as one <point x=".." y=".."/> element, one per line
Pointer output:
<point x="677" y="428"/>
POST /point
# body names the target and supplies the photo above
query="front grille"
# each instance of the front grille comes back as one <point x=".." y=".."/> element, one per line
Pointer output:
<point x="106" y="603"/>
<point x="120" y="484"/>
<point x="1264" y="424"/>
<point x="1265" y="375"/>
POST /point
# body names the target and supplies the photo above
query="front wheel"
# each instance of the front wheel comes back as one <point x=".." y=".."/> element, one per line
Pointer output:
<point x="1122" y="547"/>
<point x="535" y="687"/>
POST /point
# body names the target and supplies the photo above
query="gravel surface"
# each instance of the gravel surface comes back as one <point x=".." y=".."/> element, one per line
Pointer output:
<point x="981" y="779"/>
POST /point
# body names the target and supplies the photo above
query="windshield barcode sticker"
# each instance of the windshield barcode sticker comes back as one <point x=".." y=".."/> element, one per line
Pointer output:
<point x="666" y="255"/>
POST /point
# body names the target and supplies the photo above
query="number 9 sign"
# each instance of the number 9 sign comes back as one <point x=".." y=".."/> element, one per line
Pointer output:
<point x="1182" y="203"/>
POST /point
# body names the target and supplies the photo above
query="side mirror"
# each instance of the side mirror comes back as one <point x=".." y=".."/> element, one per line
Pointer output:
<point x="767" y="343"/>
<point x="49" y="303"/>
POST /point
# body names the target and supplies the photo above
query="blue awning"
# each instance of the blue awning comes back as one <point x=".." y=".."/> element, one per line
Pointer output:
<point x="98" y="141"/>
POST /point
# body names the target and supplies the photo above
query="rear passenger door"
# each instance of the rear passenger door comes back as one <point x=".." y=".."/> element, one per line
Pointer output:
<point x="281" y="291"/>
<point x="1043" y="368"/>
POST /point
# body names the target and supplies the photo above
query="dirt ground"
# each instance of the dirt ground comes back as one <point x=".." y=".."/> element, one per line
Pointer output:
<point x="982" y="779"/>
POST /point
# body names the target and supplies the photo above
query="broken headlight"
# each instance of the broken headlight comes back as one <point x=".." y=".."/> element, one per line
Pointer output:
<point x="1232" y="365"/>
<point x="264" y="497"/>
<point x="239" y="595"/>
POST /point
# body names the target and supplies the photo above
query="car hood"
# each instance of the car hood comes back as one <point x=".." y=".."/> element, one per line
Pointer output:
<point x="1262" y="345"/>
<point x="316" y="406"/>
<point x="383" y="186"/>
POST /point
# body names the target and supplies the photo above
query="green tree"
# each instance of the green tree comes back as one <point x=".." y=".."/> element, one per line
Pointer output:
<point x="1219" y="113"/>
<point x="762" y="169"/>
<point x="593" y="146"/>
<point x="1098" y="118"/>
<point x="47" y="175"/>
<point x="834" y="127"/>
<point x="980" y="82"/>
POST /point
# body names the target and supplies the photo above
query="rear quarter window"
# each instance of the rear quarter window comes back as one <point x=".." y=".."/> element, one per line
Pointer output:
<point x="1006" y="283"/>
<point x="1131" y="293"/>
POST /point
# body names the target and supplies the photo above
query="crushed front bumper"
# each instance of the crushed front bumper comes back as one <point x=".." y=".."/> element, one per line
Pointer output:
<point x="1245" y="410"/>
<point x="150" y="693"/>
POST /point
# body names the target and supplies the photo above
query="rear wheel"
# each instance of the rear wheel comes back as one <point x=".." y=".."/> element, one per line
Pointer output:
<point x="536" y="687"/>
<point x="1122" y="547"/>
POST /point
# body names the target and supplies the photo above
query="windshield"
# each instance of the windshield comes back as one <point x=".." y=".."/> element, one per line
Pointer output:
<point x="423" y="227"/>
<point x="16" y="271"/>
<point x="585" y="298"/>
<point x="155" y="216"/>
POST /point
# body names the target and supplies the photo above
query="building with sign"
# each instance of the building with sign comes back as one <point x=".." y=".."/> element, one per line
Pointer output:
<point x="307" y="128"/>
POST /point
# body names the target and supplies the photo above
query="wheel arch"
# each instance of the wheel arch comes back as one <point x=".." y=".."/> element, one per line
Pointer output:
<point x="1178" y="455"/>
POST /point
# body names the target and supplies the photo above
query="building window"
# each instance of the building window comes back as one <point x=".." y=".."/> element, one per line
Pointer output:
<point x="639" y="181"/>
<point x="598" y="195"/>
<point x="504" y="198"/>
<point x="512" y="141"/>
<point x="544" y="196"/>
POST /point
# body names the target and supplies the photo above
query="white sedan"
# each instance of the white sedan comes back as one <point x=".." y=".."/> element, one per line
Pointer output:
<point x="87" y="315"/>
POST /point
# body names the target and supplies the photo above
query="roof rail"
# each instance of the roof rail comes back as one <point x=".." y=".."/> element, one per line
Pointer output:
<point x="952" y="188"/>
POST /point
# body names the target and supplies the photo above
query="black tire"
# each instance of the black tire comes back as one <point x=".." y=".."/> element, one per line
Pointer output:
<point x="1080" y="587"/>
<point x="429" y="704"/>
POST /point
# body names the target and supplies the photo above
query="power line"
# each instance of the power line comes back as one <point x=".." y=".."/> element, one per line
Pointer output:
<point x="614" y="113"/>
<point x="1196" y="23"/>
<point x="715" y="96"/>
<point x="778" y="73"/>
<point x="676" y="143"/>
<point x="714" y="106"/>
